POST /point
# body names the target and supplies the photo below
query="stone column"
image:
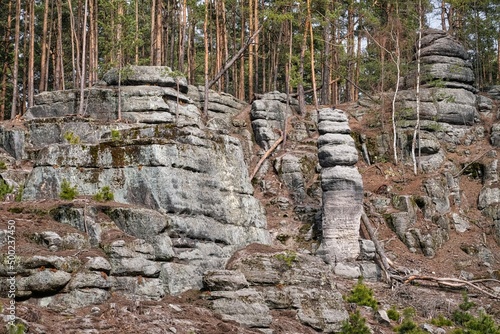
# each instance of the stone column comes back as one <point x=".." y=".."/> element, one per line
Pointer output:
<point x="342" y="188"/>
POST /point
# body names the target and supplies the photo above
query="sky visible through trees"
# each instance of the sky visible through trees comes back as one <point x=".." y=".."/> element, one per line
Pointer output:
<point x="322" y="51"/>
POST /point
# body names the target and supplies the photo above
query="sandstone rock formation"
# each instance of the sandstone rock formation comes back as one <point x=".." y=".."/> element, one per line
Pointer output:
<point x="342" y="188"/>
<point x="192" y="201"/>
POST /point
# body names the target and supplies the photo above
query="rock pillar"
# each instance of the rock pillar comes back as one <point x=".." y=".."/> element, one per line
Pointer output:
<point x="342" y="188"/>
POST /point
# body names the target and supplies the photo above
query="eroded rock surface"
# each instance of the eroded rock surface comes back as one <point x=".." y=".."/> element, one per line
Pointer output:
<point x="342" y="188"/>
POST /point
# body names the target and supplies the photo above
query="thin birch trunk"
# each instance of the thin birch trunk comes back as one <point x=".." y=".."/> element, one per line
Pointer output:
<point x="416" y="131"/>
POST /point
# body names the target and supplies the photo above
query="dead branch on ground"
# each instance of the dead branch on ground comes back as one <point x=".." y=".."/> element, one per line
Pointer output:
<point x="264" y="157"/>
<point x="455" y="283"/>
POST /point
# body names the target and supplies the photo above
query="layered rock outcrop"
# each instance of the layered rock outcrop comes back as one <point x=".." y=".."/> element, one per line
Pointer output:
<point x="192" y="202"/>
<point x="342" y="188"/>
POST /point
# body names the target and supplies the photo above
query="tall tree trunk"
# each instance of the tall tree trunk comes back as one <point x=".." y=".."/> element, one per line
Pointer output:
<point x="23" y="98"/>
<point x="119" y="35"/>
<point x="218" y="42"/>
<point x="191" y="49"/>
<point x="311" y="37"/>
<point x="300" y="86"/>
<point x="6" y="42"/>
<point x="153" y="33"/>
<point x="74" y="40"/>
<point x="251" y="51"/>
<point x="256" y="42"/>
<point x="396" y="90"/>
<point x="350" y="88"/>
<point x="205" y="38"/>
<point x="31" y="59"/>
<point x="15" y="70"/>
<point x="416" y="131"/>
<point x="241" y="81"/>
<point x="93" y="43"/>
<point x="443" y="15"/>
<point x="136" y="41"/>
<point x="182" y="34"/>
<point x="225" y="53"/>
<point x="498" y="57"/>
<point x="59" y="66"/>
<point x="159" y="34"/>
<point x="44" y="50"/>
<point x="82" y="72"/>
<point x="326" y="76"/>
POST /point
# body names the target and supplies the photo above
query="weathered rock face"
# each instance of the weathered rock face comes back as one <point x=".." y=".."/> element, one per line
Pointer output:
<point x="246" y="292"/>
<point x="445" y="63"/>
<point x="193" y="201"/>
<point x="268" y="115"/>
<point x="342" y="188"/>
<point x="448" y="104"/>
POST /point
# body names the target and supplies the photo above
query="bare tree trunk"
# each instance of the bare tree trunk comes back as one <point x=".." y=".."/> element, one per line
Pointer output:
<point x="326" y="75"/>
<point x="6" y="41"/>
<point x="93" y="44"/>
<point x="398" y="75"/>
<point x="15" y="70"/>
<point x="311" y="36"/>
<point x="31" y="59"/>
<point x="256" y="42"/>
<point x="74" y="40"/>
<point x="59" y="66"/>
<point x="443" y="15"/>
<point x="300" y="86"/>
<point x="225" y="44"/>
<point x="498" y="57"/>
<point x="119" y="36"/>
<point x="205" y="37"/>
<point x="416" y="131"/>
<point x="234" y="58"/>
<point x="182" y="35"/>
<point x="44" y="50"/>
<point x="241" y="81"/>
<point x="82" y="72"/>
<point x="191" y="52"/>
<point x="350" y="89"/>
<point x="153" y="32"/>
<point x="23" y="98"/>
<point x="251" y="51"/>
<point x="136" y="32"/>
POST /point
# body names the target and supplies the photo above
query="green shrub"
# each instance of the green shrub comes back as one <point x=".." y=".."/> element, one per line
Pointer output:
<point x="3" y="166"/>
<point x="483" y="324"/>
<point x="408" y="326"/>
<point x="441" y="321"/>
<point x="68" y="192"/>
<point x="104" y="194"/>
<point x="393" y="314"/>
<point x="4" y="189"/>
<point x="356" y="324"/>
<point x="362" y="295"/>
<point x="71" y="138"/>
<point x="17" y="329"/>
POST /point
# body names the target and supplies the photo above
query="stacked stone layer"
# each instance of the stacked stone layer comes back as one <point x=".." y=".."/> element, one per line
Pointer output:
<point x="342" y="188"/>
